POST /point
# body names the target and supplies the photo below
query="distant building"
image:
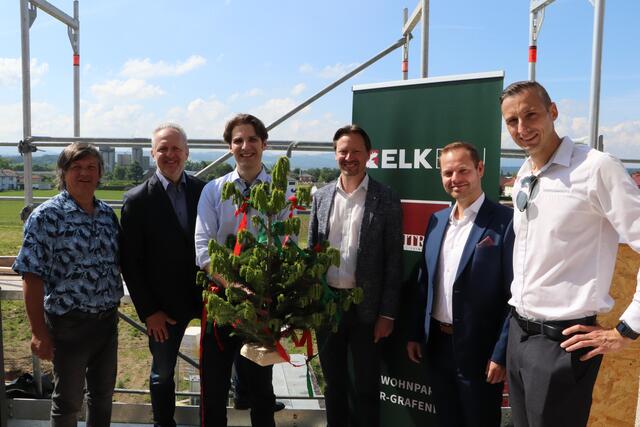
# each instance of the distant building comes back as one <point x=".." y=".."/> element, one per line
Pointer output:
<point x="145" y="163"/>
<point x="124" y="159"/>
<point x="136" y="155"/>
<point x="506" y="185"/>
<point x="8" y="180"/>
<point x="108" y="157"/>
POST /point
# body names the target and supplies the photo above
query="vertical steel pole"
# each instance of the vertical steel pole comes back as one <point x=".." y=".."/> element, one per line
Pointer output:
<point x="75" y="44"/>
<point x="533" y="45"/>
<point x="596" y="66"/>
<point x="3" y="395"/>
<point x="25" y="23"/>
<point x="405" y="48"/>
<point x="425" y="38"/>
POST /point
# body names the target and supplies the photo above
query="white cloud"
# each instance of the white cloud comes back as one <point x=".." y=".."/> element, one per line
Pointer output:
<point x="123" y="121"/>
<point x="273" y="109"/>
<point x="329" y="71"/>
<point x="201" y="118"/>
<point x="144" y="68"/>
<point x="306" y="69"/>
<point x="298" y="89"/>
<point x="130" y="88"/>
<point x="11" y="71"/>
<point x="622" y="138"/>
<point x="254" y="92"/>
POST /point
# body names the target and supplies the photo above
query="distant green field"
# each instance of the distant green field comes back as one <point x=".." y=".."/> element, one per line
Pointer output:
<point x="100" y="194"/>
<point x="11" y="226"/>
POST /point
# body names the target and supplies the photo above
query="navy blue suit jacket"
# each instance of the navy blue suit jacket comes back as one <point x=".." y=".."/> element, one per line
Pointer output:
<point x="480" y="291"/>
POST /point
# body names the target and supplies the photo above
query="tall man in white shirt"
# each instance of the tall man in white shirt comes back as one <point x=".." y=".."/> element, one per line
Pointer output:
<point x="572" y="205"/>
<point x="362" y="219"/>
<point x="217" y="219"/>
<point x="461" y="311"/>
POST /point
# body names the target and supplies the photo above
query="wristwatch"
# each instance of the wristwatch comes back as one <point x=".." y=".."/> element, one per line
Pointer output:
<point x="626" y="331"/>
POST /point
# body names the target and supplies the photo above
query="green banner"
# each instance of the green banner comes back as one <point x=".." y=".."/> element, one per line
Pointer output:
<point x="409" y="122"/>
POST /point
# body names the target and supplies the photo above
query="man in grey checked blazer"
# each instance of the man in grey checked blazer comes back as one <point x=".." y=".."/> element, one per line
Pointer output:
<point x="361" y="218"/>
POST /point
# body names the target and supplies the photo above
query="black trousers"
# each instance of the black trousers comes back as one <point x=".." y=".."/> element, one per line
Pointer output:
<point x="215" y="380"/>
<point x="463" y="399"/>
<point x="355" y="338"/>
<point x="86" y="348"/>
<point x="548" y="386"/>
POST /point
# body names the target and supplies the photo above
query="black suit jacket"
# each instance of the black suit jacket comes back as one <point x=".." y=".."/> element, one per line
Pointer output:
<point x="158" y="256"/>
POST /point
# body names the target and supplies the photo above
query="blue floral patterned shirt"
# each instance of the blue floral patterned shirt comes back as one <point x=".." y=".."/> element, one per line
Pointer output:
<point x="74" y="253"/>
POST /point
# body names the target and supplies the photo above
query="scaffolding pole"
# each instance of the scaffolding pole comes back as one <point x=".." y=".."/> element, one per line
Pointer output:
<point x="596" y="67"/>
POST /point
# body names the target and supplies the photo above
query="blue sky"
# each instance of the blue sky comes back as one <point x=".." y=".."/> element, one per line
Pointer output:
<point x="199" y="62"/>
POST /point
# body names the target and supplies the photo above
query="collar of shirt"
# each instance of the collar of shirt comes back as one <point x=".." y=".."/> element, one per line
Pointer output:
<point x="165" y="182"/>
<point x="469" y="214"/>
<point x="263" y="176"/>
<point x="70" y="205"/>
<point x="562" y="157"/>
<point x="364" y="184"/>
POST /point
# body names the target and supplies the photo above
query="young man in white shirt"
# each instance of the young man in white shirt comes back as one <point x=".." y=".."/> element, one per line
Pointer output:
<point x="217" y="219"/>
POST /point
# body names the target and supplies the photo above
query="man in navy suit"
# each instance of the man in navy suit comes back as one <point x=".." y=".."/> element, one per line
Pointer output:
<point x="462" y="313"/>
<point x="159" y="262"/>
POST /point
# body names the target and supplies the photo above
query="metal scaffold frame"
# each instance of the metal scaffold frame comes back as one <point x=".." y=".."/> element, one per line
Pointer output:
<point x="536" y="17"/>
<point x="420" y="15"/>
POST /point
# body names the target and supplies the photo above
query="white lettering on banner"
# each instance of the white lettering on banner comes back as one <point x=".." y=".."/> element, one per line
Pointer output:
<point x="400" y="158"/>
<point x="413" y="242"/>
<point x="408" y="402"/>
<point x="405" y="385"/>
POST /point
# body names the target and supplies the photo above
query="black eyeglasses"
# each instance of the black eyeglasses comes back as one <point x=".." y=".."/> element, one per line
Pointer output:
<point x="522" y="198"/>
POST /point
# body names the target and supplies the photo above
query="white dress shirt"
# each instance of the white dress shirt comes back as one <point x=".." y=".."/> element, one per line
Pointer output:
<point x="567" y="238"/>
<point x="453" y="243"/>
<point x="217" y="218"/>
<point x="344" y="233"/>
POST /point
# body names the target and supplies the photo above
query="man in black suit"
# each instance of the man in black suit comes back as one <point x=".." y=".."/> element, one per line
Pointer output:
<point x="158" y="259"/>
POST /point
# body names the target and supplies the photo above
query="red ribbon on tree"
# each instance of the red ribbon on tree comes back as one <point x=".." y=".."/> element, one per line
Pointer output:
<point x="243" y="225"/>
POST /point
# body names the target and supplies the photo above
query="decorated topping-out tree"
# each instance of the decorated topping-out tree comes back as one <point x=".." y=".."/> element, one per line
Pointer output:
<point x="264" y="285"/>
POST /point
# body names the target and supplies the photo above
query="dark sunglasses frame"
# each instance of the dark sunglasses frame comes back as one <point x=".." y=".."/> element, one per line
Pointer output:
<point x="522" y="198"/>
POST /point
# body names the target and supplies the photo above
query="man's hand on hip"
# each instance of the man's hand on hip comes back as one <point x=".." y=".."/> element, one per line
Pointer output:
<point x="382" y="329"/>
<point x="157" y="325"/>
<point x="496" y="373"/>
<point x="601" y="340"/>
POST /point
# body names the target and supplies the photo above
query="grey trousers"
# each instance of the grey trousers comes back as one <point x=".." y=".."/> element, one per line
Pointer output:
<point x="86" y="346"/>
<point x="547" y="385"/>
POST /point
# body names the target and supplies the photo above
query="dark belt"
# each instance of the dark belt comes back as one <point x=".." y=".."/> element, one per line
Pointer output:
<point x="551" y="329"/>
<point x="79" y="314"/>
<point x="445" y="328"/>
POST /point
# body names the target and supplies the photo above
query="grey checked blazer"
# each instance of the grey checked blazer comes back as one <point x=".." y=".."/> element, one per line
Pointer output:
<point x="379" y="262"/>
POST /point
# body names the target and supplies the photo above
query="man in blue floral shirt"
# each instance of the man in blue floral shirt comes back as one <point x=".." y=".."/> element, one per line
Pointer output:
<point x="72" y="288"/>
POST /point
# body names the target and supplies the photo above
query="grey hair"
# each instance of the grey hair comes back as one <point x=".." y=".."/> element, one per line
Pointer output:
<point x="169" y="125"/>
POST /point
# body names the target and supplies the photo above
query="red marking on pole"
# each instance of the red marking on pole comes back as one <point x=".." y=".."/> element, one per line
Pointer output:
<point x="405" y="66"/>
<point x="76" y="60"/>
<point x="533" y="53"/>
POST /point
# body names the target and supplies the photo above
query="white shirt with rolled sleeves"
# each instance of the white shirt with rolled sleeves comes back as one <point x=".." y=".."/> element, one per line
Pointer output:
<point x="217" y="218"/>
<point x="567" y="239"/>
